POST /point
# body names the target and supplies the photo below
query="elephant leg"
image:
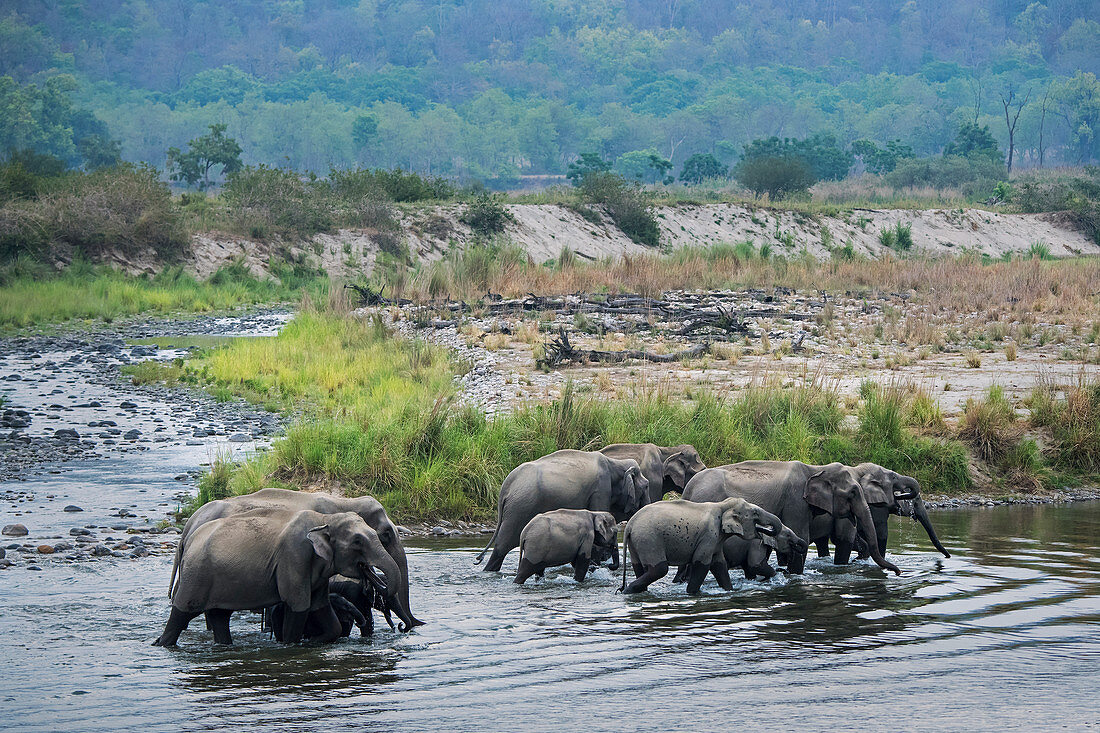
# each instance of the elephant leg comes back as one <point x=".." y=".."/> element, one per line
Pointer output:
<point x="749" y="570"/>
<point x="209" y="621"/>
<point x="681" y="574"/>
<point x="695" y="577"/>
<point x="325" y="625"/>
<point x="177" y="622"/>
<point x="652" y="574"/>
<point x="863" y="551"/>
<point x="294" y="625"/>
<point x="721" y="573"/>
<point x="218" y="621"/>
<point x="507" y="540"/>
<point x="526" y="570"/>
<point x="765" y="571"/>
<point x="822" y="547"/>
<point x="580" y="568"/>
<point x="843" y="553"/>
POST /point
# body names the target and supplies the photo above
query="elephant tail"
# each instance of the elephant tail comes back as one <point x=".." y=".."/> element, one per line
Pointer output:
<point x="481" y="555"/>
<point x="177" y="562"/>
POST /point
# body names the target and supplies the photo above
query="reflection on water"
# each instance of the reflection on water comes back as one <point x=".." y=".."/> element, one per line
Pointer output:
<point x="1006" y="633"/>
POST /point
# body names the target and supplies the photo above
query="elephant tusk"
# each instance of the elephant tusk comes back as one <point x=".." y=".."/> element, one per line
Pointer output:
<point x="764" y="529"/>
<point x="905" y="495"/>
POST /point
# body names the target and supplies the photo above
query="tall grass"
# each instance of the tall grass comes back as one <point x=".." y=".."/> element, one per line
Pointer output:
<point x="380" y="416"/>
<point x="30" y="297"/>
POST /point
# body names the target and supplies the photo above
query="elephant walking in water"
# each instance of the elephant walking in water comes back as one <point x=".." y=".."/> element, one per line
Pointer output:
<point x="253" y="561"/>
<point x="666" y="469"/>
<point x="283" y="500"/>
<point x="566" y="537"/>
<point x="565" y="479"/>
<point x="808" y="499"/>
<point x="690" y="534"/>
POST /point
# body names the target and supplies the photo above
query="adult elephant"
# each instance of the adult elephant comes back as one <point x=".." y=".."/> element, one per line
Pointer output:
<point x="565" y="479"/>
<point x="666" y="468"/>
<point x="808" y="499"/>
<point x="256" y="560"/>
<point x="281" y="500"/>
<point x="887" y="492"/>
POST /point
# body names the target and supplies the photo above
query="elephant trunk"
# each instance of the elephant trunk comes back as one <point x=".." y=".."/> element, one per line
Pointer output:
<point x="867" y="525"/>
<point x="920" y="513"/>
<point x="397" y="552"/>
<point x="391" y="591"/>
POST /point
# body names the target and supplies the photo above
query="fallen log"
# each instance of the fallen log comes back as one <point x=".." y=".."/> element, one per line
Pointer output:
<point x="559" y="350"/>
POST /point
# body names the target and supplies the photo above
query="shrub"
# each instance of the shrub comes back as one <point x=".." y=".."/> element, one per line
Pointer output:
<point x="776" y="176"/>
<point x="1073" y="422"/>
<point x="125" y="209"/>
<point x="974" y="177"/>
<point x="264" y="199"/>
<point x="626" y="204"/>
<point x="990" y="426"/>
<point x="486" y="215"/>
<point x="1075" y="191"/>
<point x="702" y="167"/>
<point x="1039" y="250"/>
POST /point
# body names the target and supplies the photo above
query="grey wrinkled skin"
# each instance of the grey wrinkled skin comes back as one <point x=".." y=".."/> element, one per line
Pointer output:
<point x="255" y="560"/>
<point x="808" y="499"/>
<point x="566" y="537"/>
<point x="666" y="468"/>
<point x="278" y="500"/>
<point x="752" y="555"/>
<point x="687" y="533"/>
<point x="887" y="492"/>
<point x="565" y="479"/>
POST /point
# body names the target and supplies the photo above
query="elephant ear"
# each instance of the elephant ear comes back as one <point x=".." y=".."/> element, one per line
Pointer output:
<point x="817" y="493"/>
<point x="604" y="528"/>
<point x="769" y="541"/>
<point x="873" y="489"/>
<point x="676" y="470"/>
<point x="318" y="537"/>
<point x="731" y="523"/>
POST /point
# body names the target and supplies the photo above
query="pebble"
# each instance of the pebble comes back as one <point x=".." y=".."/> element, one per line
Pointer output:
<point x="14" y="530"/>
<point x="3" y="553"/>
<point x="71" y="508"/>
<point x="45" y="550"/>
<point x="101" y="551"/>
<point x="80" y="532"/>
<point x="438" y="531"/>
<point x="239" y="438"/>
<point x="132" y="434"/>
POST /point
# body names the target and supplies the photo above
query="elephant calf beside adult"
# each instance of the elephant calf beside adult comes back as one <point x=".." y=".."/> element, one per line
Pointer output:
<point x="566" y="537"/>
<point x="808" y="499"/>
<point x="688" y="534"/>
<point x="565" y="479"/>
<point x="256" y="560"/>
<point x="283" y="500"/>
<point x="666" y="468"/>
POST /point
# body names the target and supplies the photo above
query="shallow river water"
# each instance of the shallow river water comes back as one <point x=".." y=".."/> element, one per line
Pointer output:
<point x="1004" y="634"/>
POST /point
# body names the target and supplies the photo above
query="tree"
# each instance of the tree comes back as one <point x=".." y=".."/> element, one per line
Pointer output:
<point x="212" y="149"/>
<point x="586" y="164"/>
<point x="974" y="141"/>
<point x="364" y="130"/>
<point x="702" y="167"/>
<point x="821" y="152"/>
<point x="774" y="175"/>
<point x="1010" y="122"/>
<point x="881" y="160"/>
<point x="646" y="166"/>
<point x="1079" y="103"/>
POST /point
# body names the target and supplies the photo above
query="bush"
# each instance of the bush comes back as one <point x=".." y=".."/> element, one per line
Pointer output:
<point x="266" y="201"/>
<point x="626" y="204"/>
<point x="1076" y="191"/>
<point x="1073" y="422"/>
<point x="702" y="167"/>
<point x="124" y="209"/>
<point x="406" y="186"/>
<point x="776" y="176"/>
<point x="974" y="177"/>
<point x="486" y="215"/>
<point x="990" y="426"/>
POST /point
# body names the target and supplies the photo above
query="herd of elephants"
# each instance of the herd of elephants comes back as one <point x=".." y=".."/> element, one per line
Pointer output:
<point x="316" y="564"/>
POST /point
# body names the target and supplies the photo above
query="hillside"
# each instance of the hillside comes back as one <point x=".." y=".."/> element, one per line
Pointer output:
<point x="543" y="230"/>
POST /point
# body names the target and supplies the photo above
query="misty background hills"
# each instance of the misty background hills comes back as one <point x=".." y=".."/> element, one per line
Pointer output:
<point x="499" y="90"/>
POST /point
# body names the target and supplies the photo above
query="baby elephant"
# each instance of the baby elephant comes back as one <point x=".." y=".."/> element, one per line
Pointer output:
<point x="691" y="534"/>
<point x="566" y="537"/>
<point x="752" y="557"/>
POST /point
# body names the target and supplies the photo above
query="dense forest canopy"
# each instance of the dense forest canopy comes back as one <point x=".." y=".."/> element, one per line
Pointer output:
<point x="495" y="90"/>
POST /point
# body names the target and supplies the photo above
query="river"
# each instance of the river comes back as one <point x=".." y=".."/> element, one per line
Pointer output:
<point x="1004" y="634"/>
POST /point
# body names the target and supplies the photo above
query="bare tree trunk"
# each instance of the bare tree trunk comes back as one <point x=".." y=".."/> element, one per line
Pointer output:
<point x="1011" y="120"/>
<point x="1042" y="122"/>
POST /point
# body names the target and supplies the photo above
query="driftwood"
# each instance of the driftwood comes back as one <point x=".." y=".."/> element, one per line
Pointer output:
<point x="559" y="350"/>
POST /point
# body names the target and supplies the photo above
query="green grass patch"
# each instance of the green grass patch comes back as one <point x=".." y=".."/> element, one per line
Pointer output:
<point x="30" y="298"/>
<point x="379" y="416"/>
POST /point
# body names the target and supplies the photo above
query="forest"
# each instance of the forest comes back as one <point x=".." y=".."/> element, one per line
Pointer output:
<point x="495" y="92"/>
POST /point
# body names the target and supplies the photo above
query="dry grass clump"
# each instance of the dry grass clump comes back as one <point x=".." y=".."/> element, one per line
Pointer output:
<point x="990" y="426"/>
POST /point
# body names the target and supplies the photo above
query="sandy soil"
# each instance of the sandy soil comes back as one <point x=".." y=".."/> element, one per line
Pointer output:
<point x="545" y="229"/>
